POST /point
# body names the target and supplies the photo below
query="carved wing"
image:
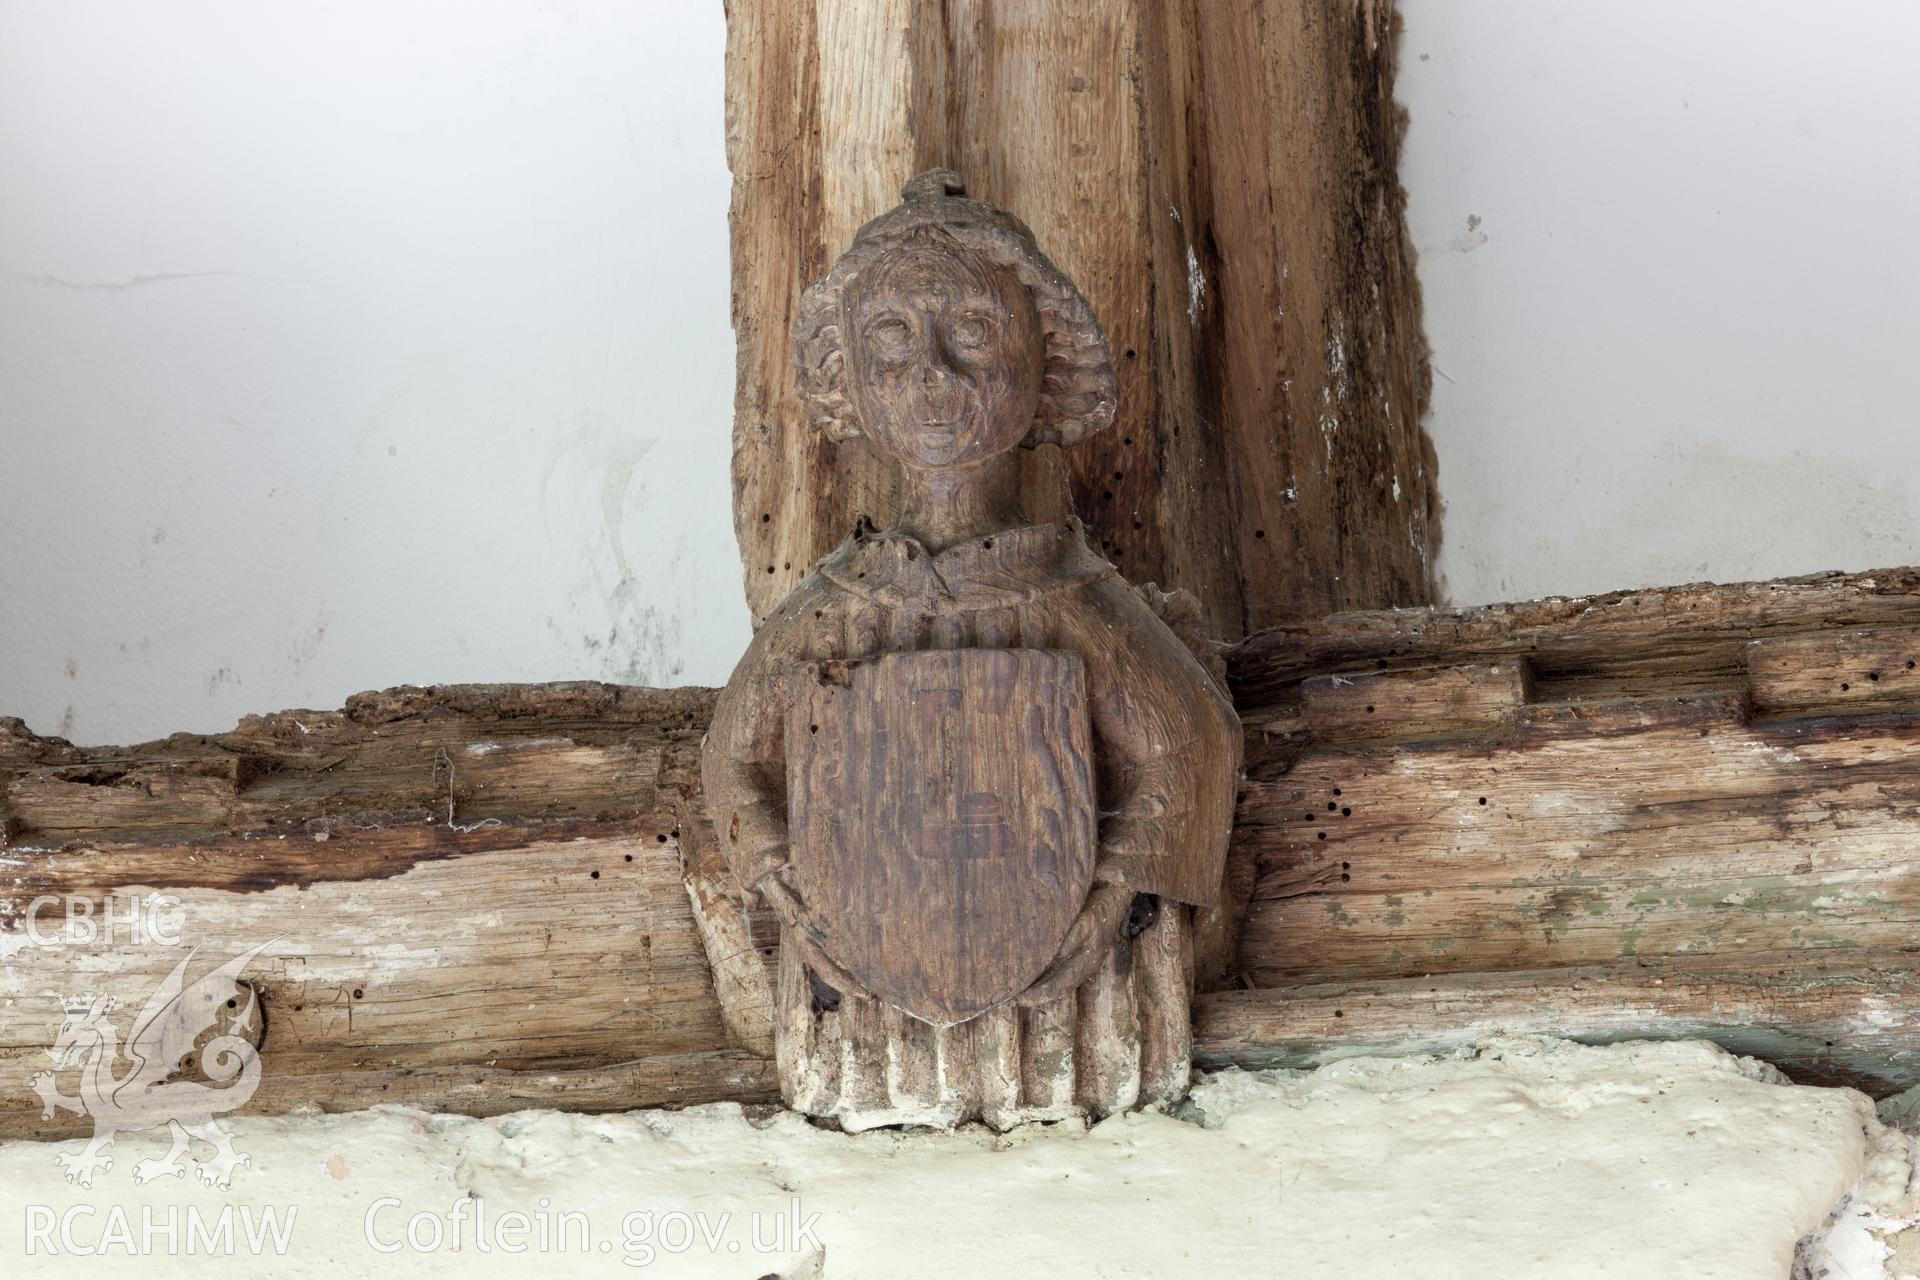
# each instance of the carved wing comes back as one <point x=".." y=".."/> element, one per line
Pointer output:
<point x="178" y="1013"/>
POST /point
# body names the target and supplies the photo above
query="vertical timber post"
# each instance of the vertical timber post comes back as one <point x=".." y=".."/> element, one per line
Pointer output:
<point x="1220" y="179"/>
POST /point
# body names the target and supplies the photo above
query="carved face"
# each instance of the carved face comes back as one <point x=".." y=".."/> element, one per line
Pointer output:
<point x="944" y="355"/>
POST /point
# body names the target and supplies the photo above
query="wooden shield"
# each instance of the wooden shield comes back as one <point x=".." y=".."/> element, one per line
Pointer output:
<point x="941" y="811"/>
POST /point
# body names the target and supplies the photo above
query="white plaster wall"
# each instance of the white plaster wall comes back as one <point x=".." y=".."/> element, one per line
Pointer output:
<point x="350" y="345"/>
<point x="1671" y="258"/>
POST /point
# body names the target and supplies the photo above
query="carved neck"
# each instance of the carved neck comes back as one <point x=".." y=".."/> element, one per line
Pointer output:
<point x="940" y="509"/>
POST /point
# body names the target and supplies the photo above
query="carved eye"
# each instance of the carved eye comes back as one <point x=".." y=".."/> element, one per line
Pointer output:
<point x="890" y="338"/>
<point x="970" y="332"/>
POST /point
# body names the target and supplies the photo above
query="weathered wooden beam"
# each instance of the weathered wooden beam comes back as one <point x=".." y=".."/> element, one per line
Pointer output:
<point x="487" y="895"/>
<point x="476" y="1089"/>
<point x="1828" y="1017"/>
<point x="476" y="891"/>
<point x="1623" y="644"/>
<point x="1414" y="702"/>
<point x="1859" y="671"/>
<point x="1590" y="833"/>
<point x="1695" y="771"/>
<point x="1221" y="181"/>
<point x="1687" y="811"/>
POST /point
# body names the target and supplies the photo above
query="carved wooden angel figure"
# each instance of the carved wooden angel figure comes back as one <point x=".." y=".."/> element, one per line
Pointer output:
<point x="979" y="780"/>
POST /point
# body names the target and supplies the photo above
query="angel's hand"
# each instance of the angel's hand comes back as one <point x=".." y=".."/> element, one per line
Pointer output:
<point x="1092" y="934"/>
<point x="802" y="932"/>
<point x="779" y="894"/>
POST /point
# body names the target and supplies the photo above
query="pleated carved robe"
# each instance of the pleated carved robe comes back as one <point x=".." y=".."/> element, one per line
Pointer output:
<point x="1122" y="1039"/>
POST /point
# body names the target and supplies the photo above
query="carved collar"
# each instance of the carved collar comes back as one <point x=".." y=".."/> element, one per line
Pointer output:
<point x="1013" y="567"/>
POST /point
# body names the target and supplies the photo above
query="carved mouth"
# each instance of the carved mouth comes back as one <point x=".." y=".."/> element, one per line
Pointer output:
<point x="942" y="434"/>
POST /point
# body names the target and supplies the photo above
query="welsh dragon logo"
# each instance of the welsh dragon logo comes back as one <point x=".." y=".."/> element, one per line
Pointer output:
<point x="145" y="1095"/>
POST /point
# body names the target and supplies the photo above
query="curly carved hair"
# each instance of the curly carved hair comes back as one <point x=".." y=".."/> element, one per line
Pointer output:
<point x="1077" y="383"/>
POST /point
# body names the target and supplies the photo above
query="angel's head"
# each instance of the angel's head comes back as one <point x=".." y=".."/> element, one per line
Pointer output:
<point x="945" y="337"/>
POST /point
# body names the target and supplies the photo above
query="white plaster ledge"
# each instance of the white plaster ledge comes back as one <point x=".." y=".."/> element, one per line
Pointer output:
<point x="1530" y="1158"/>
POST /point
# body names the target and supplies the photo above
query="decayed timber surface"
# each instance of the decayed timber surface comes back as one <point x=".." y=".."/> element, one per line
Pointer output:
<point x="1690" y="811"/>
<point x="1221" y="182"/>
<point x="477" y="890"/>
<point x="1701" y="816"/>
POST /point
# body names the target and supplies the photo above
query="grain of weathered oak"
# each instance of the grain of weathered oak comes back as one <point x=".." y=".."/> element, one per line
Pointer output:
<point x="1625" y="643"/>
<point x="1858" y="671"/>
<point x="1414" y="702"/>
<point x="1591" y="834"/>
<point x="435" y="918"/>
<point x="334" y="1084"/>
<point x="1826" y="1017"/>
<point x="1692" y="773"/>
<point x="1220" y="180"/>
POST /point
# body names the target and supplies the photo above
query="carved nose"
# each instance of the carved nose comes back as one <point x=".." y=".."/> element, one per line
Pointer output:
<point x="939" y="387"/>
